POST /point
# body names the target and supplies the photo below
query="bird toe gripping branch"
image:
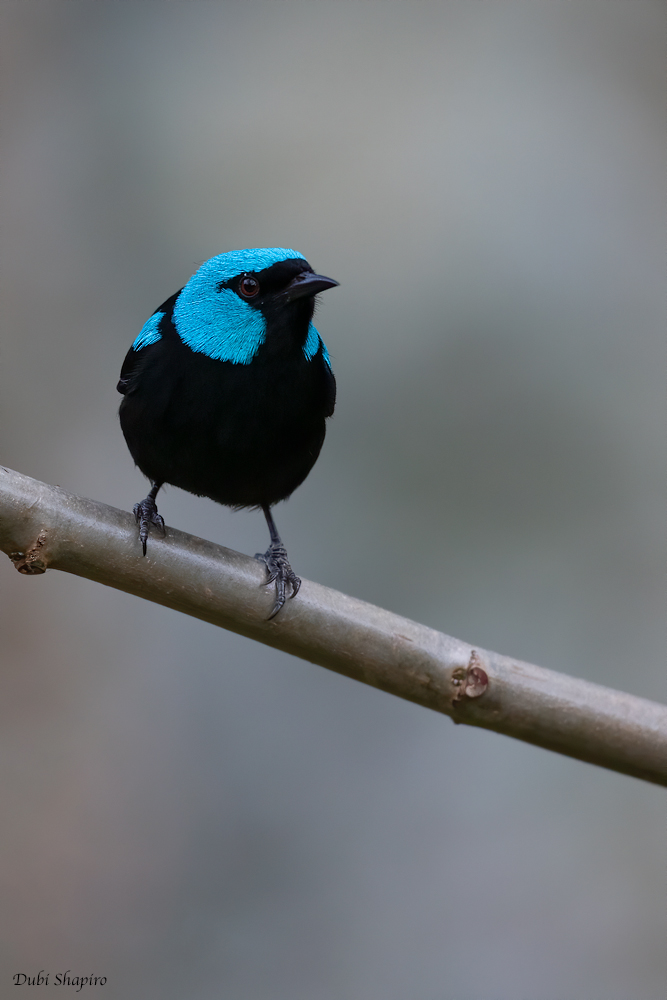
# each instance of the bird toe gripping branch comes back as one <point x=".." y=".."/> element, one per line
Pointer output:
<point x="281" y="573"/>
<point x="146" y="514"/>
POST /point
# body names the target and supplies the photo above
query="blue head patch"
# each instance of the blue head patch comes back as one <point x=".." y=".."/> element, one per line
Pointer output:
<point x="217" y="322"/>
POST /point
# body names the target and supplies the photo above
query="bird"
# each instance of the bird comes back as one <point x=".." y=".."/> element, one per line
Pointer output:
<point x="226" y="391"/>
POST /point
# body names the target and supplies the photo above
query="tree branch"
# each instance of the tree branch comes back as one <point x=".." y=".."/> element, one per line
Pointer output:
<point x="45" y="527"/>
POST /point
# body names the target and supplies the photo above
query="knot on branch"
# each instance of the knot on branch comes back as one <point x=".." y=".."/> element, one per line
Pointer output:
<point x="471" y="681"/>
<point x="33" y="561"/>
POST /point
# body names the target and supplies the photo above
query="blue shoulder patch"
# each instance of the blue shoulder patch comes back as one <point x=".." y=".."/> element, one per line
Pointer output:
<point x="218" y="323"/>
<point x="312" y="346"/>
<point x="150" y="332"/>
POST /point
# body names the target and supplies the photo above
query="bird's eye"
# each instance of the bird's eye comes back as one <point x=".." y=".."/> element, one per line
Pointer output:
<point x="248" y="287"/>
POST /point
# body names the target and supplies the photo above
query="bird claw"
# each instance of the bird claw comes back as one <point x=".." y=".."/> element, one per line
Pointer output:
<point x="279" y="572"/>
<point x="145" y="514"/>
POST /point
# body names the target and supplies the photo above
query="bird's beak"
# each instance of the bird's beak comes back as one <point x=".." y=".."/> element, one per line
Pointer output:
<point x="306" y="284"/>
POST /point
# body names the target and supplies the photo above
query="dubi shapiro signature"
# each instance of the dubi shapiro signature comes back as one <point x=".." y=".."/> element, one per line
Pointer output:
<point x="60" y="979"/>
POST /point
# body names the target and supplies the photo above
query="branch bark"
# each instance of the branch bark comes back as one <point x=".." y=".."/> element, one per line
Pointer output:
<point x="45" y="527"/>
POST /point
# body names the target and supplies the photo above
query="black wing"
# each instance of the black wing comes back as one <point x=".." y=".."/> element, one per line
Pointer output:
<point x="134" y="359"/>
<point x="130" y="366"/>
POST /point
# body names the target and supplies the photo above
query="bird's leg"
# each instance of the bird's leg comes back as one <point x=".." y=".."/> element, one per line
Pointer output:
<point x="278" y="566"/>
<point x="146" y="514"/>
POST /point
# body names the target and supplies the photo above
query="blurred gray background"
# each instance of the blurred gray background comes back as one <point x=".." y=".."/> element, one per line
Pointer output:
<point x="191" y="814"/>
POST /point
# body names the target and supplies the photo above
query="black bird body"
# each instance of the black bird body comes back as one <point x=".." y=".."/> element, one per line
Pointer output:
<point x="244" y="433"/>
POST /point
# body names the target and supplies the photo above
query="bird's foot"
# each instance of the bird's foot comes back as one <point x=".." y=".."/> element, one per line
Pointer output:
<point x="145" y="514"/>
<point x="280" y="572"/>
